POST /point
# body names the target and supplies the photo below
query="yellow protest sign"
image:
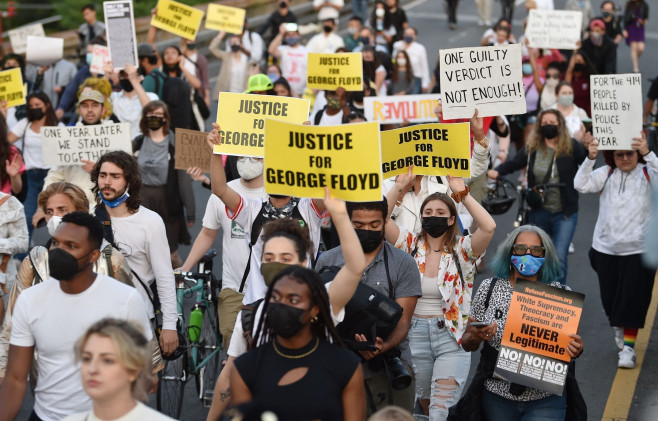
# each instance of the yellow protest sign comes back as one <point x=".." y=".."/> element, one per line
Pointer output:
<point x="331" y="71"/>
<point x="241" y="118"/>
<point x="225" y="18"/>
<point x="302" y="160"/>
<point x="433" y="149"/>
<point x="177" y="18"/>
<point x="11" y="87"/>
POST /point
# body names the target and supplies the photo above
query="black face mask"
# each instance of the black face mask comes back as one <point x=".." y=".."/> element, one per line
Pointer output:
<point x="126" y="85"/>
<point x="63" y="265"/>
<point x="141" y="71"/>
<point x="191" y="46"/>
<point x="235" y="48"/>
<point x="435" y="226"/>
<point x="369" y="239"/>
<point x="285" y="320"/>
<point x="364" y="40"/>
<point x="606" y="14"/>
<point x="328" y="28"/>
<point x="549" y="131"/>
<point x="154" y="123"/>
<point x="579" y="67"/>
<point x="34" y="114"/>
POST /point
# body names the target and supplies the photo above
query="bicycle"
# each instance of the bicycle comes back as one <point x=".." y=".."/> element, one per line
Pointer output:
<point x="523" y="213"/>
<point x="199" y="349"/>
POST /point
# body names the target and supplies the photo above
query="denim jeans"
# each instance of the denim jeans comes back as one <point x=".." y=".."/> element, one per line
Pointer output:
<point x="359" y="8"/>
<point x="35" y="179"/>
<point x="552" y="408"/>
<point x="561" y="228"/>
<point x="437" y="356"/>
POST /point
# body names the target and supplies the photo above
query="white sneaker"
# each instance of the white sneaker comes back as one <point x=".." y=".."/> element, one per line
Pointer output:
<point x="572" y="249"/>
<point x="626" y="357"/>
<point x="619" y="337"/>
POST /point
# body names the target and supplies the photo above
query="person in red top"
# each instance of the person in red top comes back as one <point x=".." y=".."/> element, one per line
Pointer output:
<point x="12" y="167"/>
<point x="578" y="72"/>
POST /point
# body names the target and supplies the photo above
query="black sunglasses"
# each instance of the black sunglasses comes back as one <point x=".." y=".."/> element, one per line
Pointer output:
<point x="521" y="249"/>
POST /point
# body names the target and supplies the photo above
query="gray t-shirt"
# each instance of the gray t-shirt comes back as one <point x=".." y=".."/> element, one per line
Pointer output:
<point x="153" y="159"/>
<point x="404" y="277"/>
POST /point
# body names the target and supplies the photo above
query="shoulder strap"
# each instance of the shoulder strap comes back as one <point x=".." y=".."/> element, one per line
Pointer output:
<point x="391" y="293"/>
<point x="104" y="218"/>
<point x="492" y="284"/>
<point x="138" y="141"/>
<point x="256" y="228"/>
<point x="4" y="199"/>
<point x="610" y="171"/>
<point x="459" y="266"/>
<point x="318" y="117"/>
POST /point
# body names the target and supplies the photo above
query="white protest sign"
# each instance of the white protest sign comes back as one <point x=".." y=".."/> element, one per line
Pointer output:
<point x="18" y="36"/>
<point x="44" y="51"/>
<point x="120" y="33"/>
<point x="486" y="78"/>
<point x="100" y="55"/>
<point x="616" y="109"/>
<point x="559" y="29"/>
<point x="71" y="145"/>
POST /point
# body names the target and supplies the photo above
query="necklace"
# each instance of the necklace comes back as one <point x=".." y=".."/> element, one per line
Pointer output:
<point x="294" y="357"/>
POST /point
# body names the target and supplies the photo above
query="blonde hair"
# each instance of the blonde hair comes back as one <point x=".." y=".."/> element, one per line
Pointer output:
<point x="536" y="140"/>
<point x="391" y="413"/>
<point x="75" y="193"/>
<point x="132" y="351"/>
<point x="101" y="85"/>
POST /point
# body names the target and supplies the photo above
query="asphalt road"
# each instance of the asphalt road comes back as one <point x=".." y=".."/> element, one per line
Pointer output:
<point x="597" y="366"/>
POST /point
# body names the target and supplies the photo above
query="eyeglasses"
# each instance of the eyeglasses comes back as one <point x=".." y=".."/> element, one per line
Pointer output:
<point x="251" y="159"/>
<point x="521" y="249"/>
<point x="625" y="154"/>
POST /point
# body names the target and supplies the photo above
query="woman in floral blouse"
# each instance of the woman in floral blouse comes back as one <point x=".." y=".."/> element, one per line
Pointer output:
<point x="446" y="262"/>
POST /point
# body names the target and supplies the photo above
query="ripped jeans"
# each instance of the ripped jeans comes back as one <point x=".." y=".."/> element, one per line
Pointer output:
<point x="440" y="365"/>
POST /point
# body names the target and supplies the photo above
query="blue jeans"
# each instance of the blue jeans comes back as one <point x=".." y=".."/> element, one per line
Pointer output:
<point x="552" y="408"/>
<point x="437" y="356"/>
<point x="561" y="228"/>
<point x="359" y="8"/>
<point x="35" y="179"/>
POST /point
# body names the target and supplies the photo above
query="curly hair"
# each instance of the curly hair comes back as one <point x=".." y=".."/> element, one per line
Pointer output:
<point x="536" y="140"/>
<point x="131" y="173"/>
<point x="291" y="229"/>
<point x="93" y="225"/>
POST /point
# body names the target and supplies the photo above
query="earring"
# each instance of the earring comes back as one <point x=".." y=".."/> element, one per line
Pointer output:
<point x="314" y="319"/>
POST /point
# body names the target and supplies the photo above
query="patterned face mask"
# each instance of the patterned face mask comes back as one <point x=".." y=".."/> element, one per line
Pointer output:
<point x="527" y="265"/>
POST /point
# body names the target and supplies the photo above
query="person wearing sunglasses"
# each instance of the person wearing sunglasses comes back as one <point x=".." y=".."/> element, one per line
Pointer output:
<point x="527" y="253"/>
<point x="619" y="236"/>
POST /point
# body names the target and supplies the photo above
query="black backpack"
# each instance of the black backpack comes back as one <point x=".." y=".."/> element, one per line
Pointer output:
<point x="176" y="94"/>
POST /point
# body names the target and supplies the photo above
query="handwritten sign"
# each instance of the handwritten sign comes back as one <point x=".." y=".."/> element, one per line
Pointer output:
<point x="11" y="87"/>
<point x="72" y="145"/>
<point x="44" y="51"/>
<point x="433" y="149"/>
<point x="558" y="29"/>
<point x="242" y="120"/>
<point x="331" y="71"/>
<point x="178" y="18"/>
<point x="192" y="150"/>
<point x="18" y="36"/>
<point x="99" y="58"/>
<point x="398" y="108"/>
<point x="225" y="18"/>
<point x="616" y="109"/>
<point x="120" y="33"/>
<point x="486" y="78"/>
<point x="301" y="160"/>
<point x="533" y="351"/>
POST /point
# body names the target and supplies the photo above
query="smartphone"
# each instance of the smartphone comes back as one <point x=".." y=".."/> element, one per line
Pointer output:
<point x="291" y="27"/>
<point x="480" y="324"/>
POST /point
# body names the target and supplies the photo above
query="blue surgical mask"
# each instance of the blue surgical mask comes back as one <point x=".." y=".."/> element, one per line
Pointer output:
<point x="408" y="39"/>
<point x="88" y="58"/>
<point x="527" y="69"/>
<point x="116" y="202"/>
<point x="273" y="77"/>
<point x="527" y="265"/>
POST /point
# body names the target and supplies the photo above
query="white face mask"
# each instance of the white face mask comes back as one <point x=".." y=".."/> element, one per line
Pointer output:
<point x="401" y="61"/>
<point x="249" y="169"/>
<point x="552" y="83"/>
<point x="379" y="12"/>
<point x="53" y="224"/>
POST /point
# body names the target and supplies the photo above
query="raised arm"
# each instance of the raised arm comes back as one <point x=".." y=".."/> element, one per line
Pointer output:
<point x="402" y="185"/>
<point x="486" y="224"/>
<point x="273" y="48"/>
<point x="218" y="183"/>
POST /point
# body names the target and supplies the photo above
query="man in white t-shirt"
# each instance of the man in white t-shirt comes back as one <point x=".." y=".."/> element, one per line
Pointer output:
<point x="51" y="316"/>
<point x="234" y="244"/>
<point x="292" y="58"/>
<point x="326" y="42"/>
<point x="417" y="55"/>
<point x="140" y="235"/>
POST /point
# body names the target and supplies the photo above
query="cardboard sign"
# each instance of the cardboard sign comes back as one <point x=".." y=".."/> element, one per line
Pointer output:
<point x="44" y="51"/>
<point x="18" y="36"/>
<point x="242" y="120"/>
<point x="225" y="18"/>
<point x="120" y="33"/>
<point x="71" y="145"/>
<point x="398" y="108"/>
<point x="533" y="351"/>
<point x="487" y="78"/>
<point x="192" y="150"/>
<point x="178" y="18"/>
<point x="616" y="109"/>
<point x="301" y="160"/>
<point x="433" y="149"/>
<point x="100" y="57"/>
<point x="11" y="87"/>
<point x="559" y="29"/>
<point x="331" y="71"/>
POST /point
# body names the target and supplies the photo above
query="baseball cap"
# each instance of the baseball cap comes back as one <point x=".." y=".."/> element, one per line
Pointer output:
<point x="596" y="22"/>
<point x="259" y="82"/>
<point x="91" y="95"/>
<point x="145" y="50"/>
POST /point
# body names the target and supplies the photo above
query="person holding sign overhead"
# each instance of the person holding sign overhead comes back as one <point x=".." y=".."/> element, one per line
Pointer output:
<point x="233" y="73"/>
<point x="619" y="236"/>
<point x="293" y="57"/>
<point x="552" y="158"/>
<point x="527" y="253"/>
<point x="446" y="262"/>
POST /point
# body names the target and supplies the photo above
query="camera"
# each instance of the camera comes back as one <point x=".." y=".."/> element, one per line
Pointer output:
<point x="397" y="373"/>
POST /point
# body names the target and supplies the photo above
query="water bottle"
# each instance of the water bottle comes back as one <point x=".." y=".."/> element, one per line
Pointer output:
<point x="194" y="329"/>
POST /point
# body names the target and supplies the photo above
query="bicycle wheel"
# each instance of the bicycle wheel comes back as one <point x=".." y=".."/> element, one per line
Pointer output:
<point x="209" y="346"/>
<point x="172" y="385"/>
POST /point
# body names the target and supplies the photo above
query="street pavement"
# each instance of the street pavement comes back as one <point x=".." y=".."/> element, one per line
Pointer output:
<point x="597" y="367"/>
